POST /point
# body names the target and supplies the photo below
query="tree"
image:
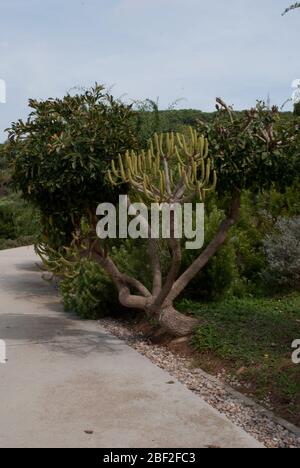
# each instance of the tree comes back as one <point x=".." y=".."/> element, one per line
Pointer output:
<point x="297" y="109"/>
<point x="291" y="7"/>
<point x="249" y="151"/>
<point x="5" y="170"/>
<point x="60" y="155"/>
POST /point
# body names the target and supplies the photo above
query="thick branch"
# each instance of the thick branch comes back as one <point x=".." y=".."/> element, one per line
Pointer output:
<point x="130" y="301"/>
<point x="156" y="267"/>
<point x="117" y="277"/>
<point x="173" y="272"/>
<point x="175" y="266"/>
<point x="226" y="107"/>
<point x="136" y="284"/>
<point x="167" y="174"/>
<point x="154" y="258"/>
<point x="208" y="253"/>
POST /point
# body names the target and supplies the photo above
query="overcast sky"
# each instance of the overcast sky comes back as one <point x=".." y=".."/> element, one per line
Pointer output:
<point x="240" y="50"/>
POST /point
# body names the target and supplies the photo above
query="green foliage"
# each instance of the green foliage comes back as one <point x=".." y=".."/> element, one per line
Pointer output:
<point x="15" y="243"/>
<point x="19" y="222"/>
<point x="251" y="339"/>
<point x="85" y="287"/>
<point x="256" y="152"/>
<point x="221" y="275"/>
<point x="248" y="235"/>
<point x="297" y="109"/>
<point x="89" y="292"/>
<point x="253" y="150"/>
<point x="170" y="160"/>
<point x="132" y="258"/>
<point x="237" y="268"/>
<point x="174" y="119"/>
<point x="150" y="119"/>
<point x="247" y="329"/>
<point x="60" y="155"/>
<point x="7" y="225"/>
<point x="5" y="172"/>
<point x="282" y="248"/>
<point x="277" y="204"/>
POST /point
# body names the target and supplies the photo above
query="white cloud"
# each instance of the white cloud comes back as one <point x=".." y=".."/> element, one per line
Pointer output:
<point x="149" y="48"/>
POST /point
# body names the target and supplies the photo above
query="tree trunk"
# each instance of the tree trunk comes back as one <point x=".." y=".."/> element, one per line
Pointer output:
<point x="174" y="322"/>
<point x="160" y="306"/>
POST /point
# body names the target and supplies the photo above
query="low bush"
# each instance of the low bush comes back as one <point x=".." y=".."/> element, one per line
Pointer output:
<point x="14" y="243"/>
<point x="89" y="292"/>
<point x="282" y="249"/>
<point x="19" y="222"/>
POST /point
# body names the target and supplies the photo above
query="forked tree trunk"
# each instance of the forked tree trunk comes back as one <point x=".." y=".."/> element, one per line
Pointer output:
<point x="160" y="305"/>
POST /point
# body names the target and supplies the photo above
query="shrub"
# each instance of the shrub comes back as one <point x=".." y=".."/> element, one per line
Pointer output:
<point x="60" y="155"/>
<point x="85" y="287"/>
<point x="7" y="227"/>
<point x="283" y="254"/>
<point x="19" y="222"/>
<point x="248" y="236"/>
<point x="297" y="109"/>
<point x="14" y="243"/>
<point x="89" y="293"/>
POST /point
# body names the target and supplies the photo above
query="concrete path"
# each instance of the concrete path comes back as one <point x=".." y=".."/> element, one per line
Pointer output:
<point x="65" y="376"/>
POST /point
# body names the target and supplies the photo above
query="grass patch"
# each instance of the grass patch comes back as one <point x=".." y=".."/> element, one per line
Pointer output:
<point x="251" y="339"/>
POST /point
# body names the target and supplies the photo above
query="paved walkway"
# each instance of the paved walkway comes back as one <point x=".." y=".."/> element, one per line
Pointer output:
<point x="65" y="377"/>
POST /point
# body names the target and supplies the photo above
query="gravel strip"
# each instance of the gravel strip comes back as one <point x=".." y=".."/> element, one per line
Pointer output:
<point x="261" y="426"/>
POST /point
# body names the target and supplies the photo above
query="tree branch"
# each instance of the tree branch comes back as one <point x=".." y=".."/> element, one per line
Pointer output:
<point x="122" y="281"/>
<point x="210" y="250"/>
<point x="290" y="8"/>
<point x="156" y="267"/>
<point x="130" y="301"/>
<point x="173" y="272"/>
<point x="226" y="107"/>
<point x="175" y="266"/>
<point x="154" y="259"/>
